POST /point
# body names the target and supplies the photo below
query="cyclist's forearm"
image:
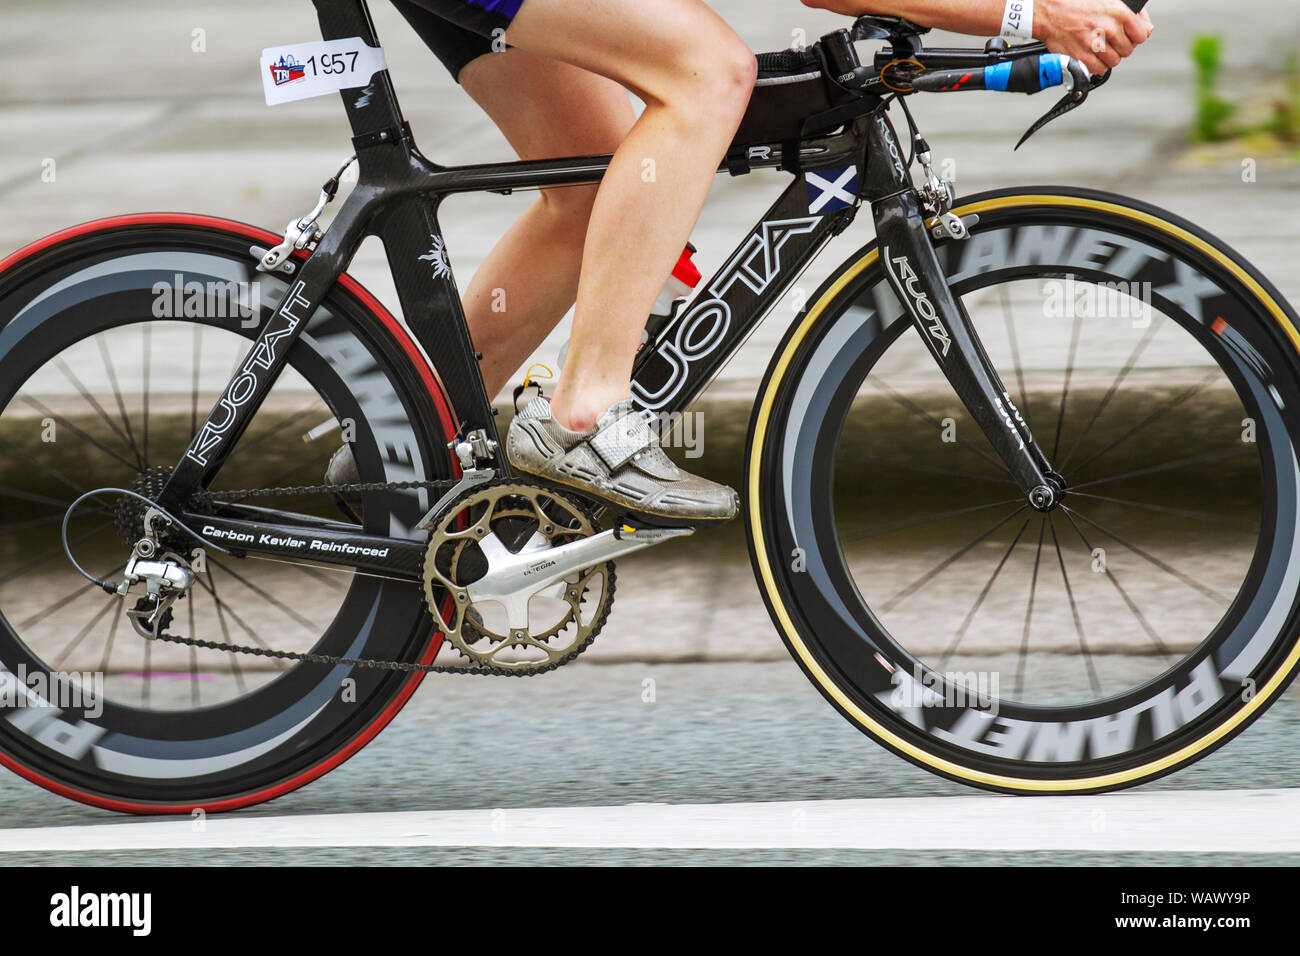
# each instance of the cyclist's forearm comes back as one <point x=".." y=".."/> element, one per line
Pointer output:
<point x="1098" y="32"/>
<point x="977" y="17"/>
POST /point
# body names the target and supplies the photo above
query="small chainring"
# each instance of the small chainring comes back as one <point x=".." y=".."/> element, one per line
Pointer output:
<point x="518" y="517"/>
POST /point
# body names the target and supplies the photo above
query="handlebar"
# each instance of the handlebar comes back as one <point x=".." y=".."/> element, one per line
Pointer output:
<point x="1027" y="68"/>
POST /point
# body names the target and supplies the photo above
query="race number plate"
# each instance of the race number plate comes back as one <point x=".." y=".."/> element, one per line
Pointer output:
<point x="303" y="70"/>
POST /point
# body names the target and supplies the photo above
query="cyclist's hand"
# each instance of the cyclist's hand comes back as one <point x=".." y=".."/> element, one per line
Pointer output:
<point x="1099" y="33"/>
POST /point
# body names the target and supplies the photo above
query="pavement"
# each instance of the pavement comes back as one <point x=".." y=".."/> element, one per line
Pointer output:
<point x="640" y="760"/>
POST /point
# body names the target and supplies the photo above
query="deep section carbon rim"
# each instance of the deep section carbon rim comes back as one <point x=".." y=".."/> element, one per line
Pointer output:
<point x="112" y="346"/>
<point x="990" y="640"/>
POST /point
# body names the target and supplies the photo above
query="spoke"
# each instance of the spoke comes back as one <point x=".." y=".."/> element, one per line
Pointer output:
<point x="81" y="635"/>
<point x="1146" y="555"/>
<point x="1029" y="609"/>
<point x="111" y="371"/>
<point x="16" y="526"/>
<point x="225" y="633"/>
<point x="271" y="432"/>
<point x="265" y="595"/>
<point x="10" y="492"/>
<point x="1166" y="509"/>
<point x="301" y="466"/>
<point x="63" y="601"/>
<point x="112" y="634"/>
<point x="1166" y="466"/>
<point x="1114" y="387"/>
<point x="197" y="328"/>
<point x="146" y="672"/>
<point x="194" y="657"/>
<point x="932" y="470"/>
<point x="1132" y="605"/>
<point x="988" y="586"/>
<point x="1005" y="298"/>
<point x="60" y="477"/>
<point x="90" y="439"/>
<point x="71" y="376"/>
<point x="146" y="346"/>
<point x="915" y="409"/>
<point x="1065" y="387"/>
<point x="253" y="635"/>
<point x="1074" y="610"/>
<point x="53" y="553"/>
<point x="1153" y="417"/>
<point x="944" y="564"/>
<point x="917" y="522"/>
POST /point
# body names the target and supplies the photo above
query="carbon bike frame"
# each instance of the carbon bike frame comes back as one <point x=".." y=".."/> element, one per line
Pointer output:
<point x="397" y="197"/>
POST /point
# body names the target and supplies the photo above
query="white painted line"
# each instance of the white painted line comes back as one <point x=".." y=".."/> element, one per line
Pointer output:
<point x="1239" y="821"/>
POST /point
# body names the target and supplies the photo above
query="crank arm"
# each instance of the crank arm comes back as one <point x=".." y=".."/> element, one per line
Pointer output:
<point x="514" y="578"/>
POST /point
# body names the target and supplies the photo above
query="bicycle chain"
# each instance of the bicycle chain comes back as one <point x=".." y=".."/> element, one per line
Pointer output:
<point x="332" y="660"/>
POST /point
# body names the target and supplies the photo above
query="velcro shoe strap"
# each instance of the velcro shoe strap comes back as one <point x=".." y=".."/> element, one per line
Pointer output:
<point x="617" y="443"/>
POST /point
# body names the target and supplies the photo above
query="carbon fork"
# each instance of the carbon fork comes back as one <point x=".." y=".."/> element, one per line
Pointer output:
<point x="914" y="273"/>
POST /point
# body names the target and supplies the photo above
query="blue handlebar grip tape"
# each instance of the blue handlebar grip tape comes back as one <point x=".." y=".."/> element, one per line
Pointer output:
<point x="997" y="76"/>
<point x="1051" y="69"/>
<point x="1050" y="72"/>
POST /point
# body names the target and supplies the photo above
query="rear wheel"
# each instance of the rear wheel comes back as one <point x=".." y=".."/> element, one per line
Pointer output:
<point x="1117" y="638"/>
<point x="116" y="338"/>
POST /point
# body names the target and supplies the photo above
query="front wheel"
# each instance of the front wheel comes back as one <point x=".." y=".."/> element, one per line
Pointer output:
<point x="1117" y="638"/>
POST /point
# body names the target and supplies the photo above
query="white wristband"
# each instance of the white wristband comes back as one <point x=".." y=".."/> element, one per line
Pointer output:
<point x="1018" y="20"/>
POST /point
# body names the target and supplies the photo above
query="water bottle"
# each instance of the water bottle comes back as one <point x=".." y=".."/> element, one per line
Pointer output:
<point x="684" y="278"/>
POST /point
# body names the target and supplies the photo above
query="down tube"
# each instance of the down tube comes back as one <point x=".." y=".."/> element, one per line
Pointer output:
<point x="695" y="346"/>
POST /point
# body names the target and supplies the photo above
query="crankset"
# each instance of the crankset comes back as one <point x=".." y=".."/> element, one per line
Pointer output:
<point x="520" y="578"/>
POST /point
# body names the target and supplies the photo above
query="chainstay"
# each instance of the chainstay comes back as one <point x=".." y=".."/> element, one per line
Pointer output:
<point x="404" y="666"/>
<point x="307" y="657"/>
<point x="444" y="484"/>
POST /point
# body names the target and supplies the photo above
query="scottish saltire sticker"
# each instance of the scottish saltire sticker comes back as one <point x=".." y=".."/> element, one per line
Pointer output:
<point x="831" y="189"/>
<point x="303" y="70"/>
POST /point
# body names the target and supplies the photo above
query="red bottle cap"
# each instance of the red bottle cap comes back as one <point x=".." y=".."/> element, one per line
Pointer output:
<point x="685" y="270"/>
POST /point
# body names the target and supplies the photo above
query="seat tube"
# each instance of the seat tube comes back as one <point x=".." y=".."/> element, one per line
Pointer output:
<point x="917" y="278"/>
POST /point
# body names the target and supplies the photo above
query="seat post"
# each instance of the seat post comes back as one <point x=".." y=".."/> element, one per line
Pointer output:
<point x="372" y="109"/>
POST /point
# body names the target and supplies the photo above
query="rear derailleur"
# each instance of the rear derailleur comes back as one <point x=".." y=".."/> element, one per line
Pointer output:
<point x="166" y="577"/>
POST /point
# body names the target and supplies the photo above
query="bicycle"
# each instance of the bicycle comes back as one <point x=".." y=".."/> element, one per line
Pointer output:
<point x="440" y="543"/>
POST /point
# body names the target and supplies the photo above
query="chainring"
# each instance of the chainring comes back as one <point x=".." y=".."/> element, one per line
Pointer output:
<point x="519" y="517"/>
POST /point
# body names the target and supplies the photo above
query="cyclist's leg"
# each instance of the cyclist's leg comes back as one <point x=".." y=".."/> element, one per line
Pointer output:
<point x="544" y="108"/>
<point x="695" y="76"/>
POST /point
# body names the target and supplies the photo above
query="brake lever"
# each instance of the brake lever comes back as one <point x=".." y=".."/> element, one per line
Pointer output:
<point x="1080" y="84"/>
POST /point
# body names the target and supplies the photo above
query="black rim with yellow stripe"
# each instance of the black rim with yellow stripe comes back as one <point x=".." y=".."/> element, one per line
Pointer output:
<point x="1199" y="689"/>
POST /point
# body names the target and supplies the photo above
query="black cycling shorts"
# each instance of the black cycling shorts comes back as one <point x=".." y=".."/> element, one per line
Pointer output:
<point x="458" y="31"/>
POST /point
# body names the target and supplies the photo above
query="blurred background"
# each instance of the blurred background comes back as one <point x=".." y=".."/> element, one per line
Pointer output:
<point x="106" y="111"/>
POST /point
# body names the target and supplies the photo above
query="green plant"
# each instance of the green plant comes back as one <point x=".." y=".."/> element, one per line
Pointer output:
<point x="1285" y="124"/>
<point x="1212" y="111"/>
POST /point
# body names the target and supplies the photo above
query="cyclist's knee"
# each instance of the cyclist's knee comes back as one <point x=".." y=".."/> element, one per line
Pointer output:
<point x="717" y="80"/>
<point x="568" y="206"/>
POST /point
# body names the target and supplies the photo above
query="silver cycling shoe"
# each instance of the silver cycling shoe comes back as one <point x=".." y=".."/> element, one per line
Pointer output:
<point x="619" y="462"/>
